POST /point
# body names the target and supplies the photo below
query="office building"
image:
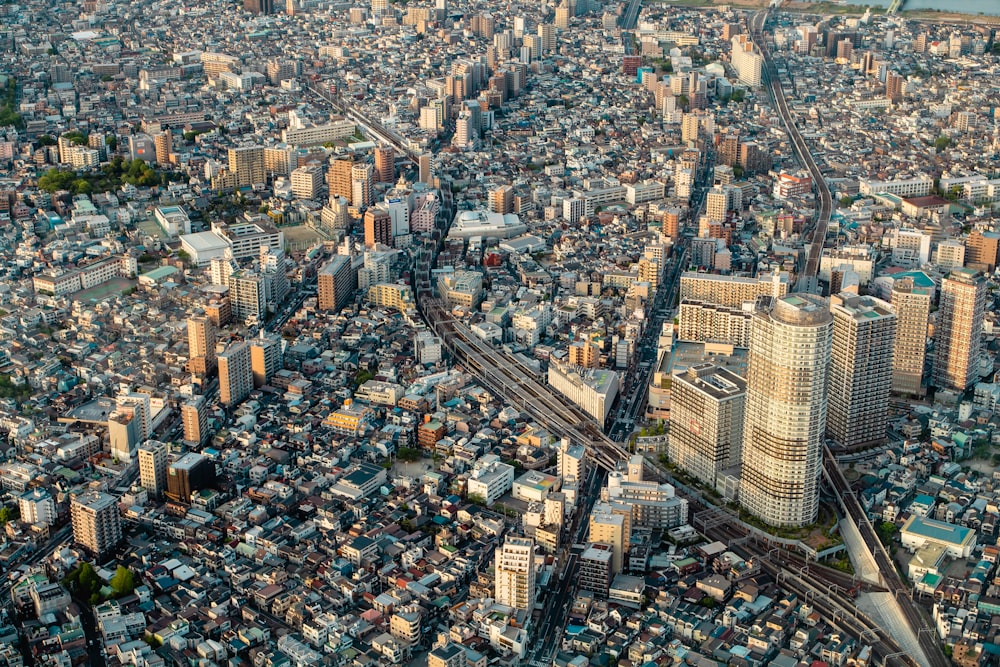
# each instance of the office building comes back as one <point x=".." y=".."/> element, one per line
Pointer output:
<point x="514" y="578"/>
<point x="706" y="421"/>
<point x="235" y="375"/>
<point x="192" y="472"/>
<point x="785" y="416"/>
<point x="201" y="345"/>
<point x="860" y="374"/>
<point x="194" y="416"/>
<point x="958" y="339"/>
<point x="337" y="282"/>
<point x="96" y="524"/>
<point x="385" y="164"/>
<point x="153" y="467"/>
<point x="912" y="304"/>
<point x="265" y="358"/>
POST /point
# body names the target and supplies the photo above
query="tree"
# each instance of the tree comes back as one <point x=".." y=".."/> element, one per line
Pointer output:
<point x="846" y="201"/>
<point x="476" y="499"/>
<point x="408" y="454"/>
<point x="47" y="140"/>
<point x="885" y="531"/>
<point x="9" y="514"/>
<point x="184" y="256"/>
<point x="942" y="142"/>
<point x="76" y="138"/>
<point x="123" y="582"/>
<point x="111" y="141"/>
<point x="682" y="101"/>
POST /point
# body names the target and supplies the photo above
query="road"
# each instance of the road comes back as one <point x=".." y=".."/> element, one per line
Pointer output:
<point x="770" y="74"/>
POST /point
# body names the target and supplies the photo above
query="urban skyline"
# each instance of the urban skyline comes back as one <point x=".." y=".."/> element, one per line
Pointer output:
<point x="566" y="333"/>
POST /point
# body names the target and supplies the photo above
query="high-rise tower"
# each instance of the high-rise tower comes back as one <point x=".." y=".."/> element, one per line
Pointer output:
<point x="958" y="341"/>
<point x="912" y="304"/>
<point x="860" y="375"/>
<point x="786" y="409"/>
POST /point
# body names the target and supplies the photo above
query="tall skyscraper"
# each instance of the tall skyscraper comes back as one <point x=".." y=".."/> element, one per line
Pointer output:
<point x="786" y="409"/>
<point x="958" y="341"/>
<point x="385" y="165"/>
<point x="201" y="345"/>
<point x="860" y="375"/>
<point x="265" y="358"/>
<point x="235" y="377"/>
<point x="96" y="523"/>
<point x="515" y="573"/>
<point x="913" y="308"/>
<point x="706" y="421"/>
<point x="153" y="467"/>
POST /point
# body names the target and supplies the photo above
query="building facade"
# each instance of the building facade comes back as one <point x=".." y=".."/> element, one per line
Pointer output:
<point x="958" y="341"/>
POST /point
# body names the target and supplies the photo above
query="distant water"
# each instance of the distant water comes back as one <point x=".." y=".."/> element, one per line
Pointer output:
<point x="991" y="7"/>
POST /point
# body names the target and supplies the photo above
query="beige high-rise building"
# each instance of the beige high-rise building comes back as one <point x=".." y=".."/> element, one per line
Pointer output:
<point x="247" y="164"/>
<point x="338" y="178"/>
<point x="152" y="456"/>
<point x="336" y="283"/>
<point x="96" y="523"/>
<point x="201" y="345"/>
<point x="785" y="416"/>
<point x="958" y="339"/>
<point x="164" y="144"/>
<point x="235" y="376"/>
<point x="362" y="185"/>
<point x="265" y="358"/>
<point x="706" y="421"/>
<point x="546" y="33"/>
<point x="194" y="416"/>
<point x="612" y="527"/>
<point x="514" y="579"/>
<point x="562" y="16"/>
<point x="860" y="375"/>
<point x="913" y="309"/>
<point x="502" y="199"/>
